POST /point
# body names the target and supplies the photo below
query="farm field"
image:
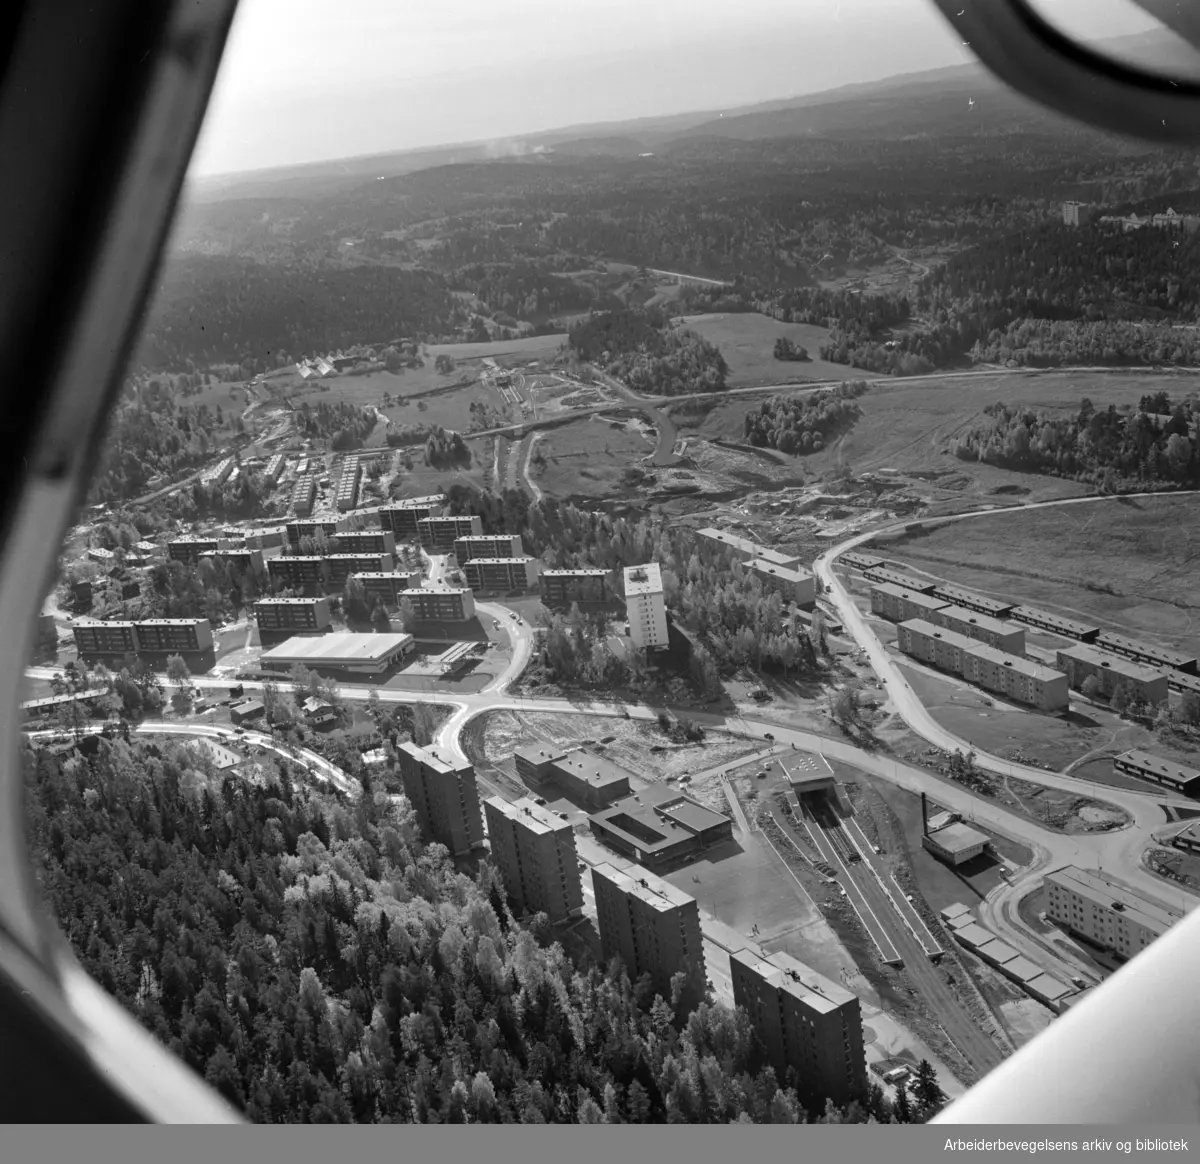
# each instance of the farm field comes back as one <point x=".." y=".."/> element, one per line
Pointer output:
<point x="1126" y="564"/>
<point x="589" y="457"/>
<point x="747" y="341"/>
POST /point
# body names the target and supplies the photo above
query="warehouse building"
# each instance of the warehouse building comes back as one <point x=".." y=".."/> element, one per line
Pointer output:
<point x="560" y="587"/>
<point x="444" y="796"/>
<point x="1146" y="654"/>
<point x="955" y="844"/>
<point x="452" y="604"/>
<point x="389" y="586"/>
<point x="652" y="927"/>
<point x="342" y="651"/>
<point x="856" y="561"/>
<point x="586" y="778"/>
<point x="646" y="607"/>
<point x="501" y="574"/>
<point x="1021" y="680"/>
<point x="402" y="516"/>
<point x="901" y="605"/>
<point x="804" y="1021"/>
<point x="534" y="849"/>
<point x="438" y="534"/>
<point x="793" y="583"/>
<point x="289" y="615"/>
<point x="488" y="546"/>
<point x="994" y="632"/>
<point x="971" y="600"/>
<point x="747" y="550"/>
<point x="313" y="527"/>
<point x="304" y="496"/>
<point x="1170" y="774"/>
<point x="660" y="827"/>
<point x="898" y="578"/>
<point x="1080" y="661"/>
<point x="190" y="549"/>
<point x="1068" y="628"/>
<point x="1105" y="912"/>
<point x="932" y="644"/>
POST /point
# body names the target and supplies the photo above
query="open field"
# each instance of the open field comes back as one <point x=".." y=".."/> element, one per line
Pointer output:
<point x="589" y="457"/>
<point x="1125" y="564"/>
<point x="747" y="341"/>
<point x="535" y="347"/>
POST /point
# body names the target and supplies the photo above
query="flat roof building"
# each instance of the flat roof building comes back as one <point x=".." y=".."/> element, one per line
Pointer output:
<point x="900" y="605"/>
<point x="1080" y="661"/>
<point x="746" y="549"/>
<point x="274" y="615"/>
<point x="932" y="644"/>
<point x="488" y="546"/>
<point x="585" y="777"/>
<point x="365" y="541"/>
<point x="995" y="632"/>
<point x="239" y="561"/>
<point x="189" y="548"/>
<point x="535" y="852"/>
<point x="646" y="607"/>
<point x="804" y="1021"/>
<point x="440" y="533"/>
<point x="388" y="586"/>
<point x="652" y="927"/>
<point x="501" y="574"/>
<point x="95" y="637"/>
<point x="1145" y="653"/>
<point x="346" y="497"/>
<point x="244" y="712"/>
<point x="899" y="578"/>
<point x="563" y="586"/>
<point x="807" y="773"/>
<point x="1169" y="773"/>
<point x="955" y="843"/>
<point x="449" y="604"/>
<point x="1068" y="628"/>
<point x="853" y="560"/>
<point x="444" y="796"/>
<point x="402" y="518"/>
<point x="1022" y="680"/>
<point x="163" y="636"/>
<point x="793" y="583"/>
<point x="360" y="654"/>
<point x="971" y="600"/>
<point x="659" y="826"/>
<point x="1189" y="839"/>
<point x="1105" y="912"/>
<point x="304" y="495"/>
<point x="311" y="527"/>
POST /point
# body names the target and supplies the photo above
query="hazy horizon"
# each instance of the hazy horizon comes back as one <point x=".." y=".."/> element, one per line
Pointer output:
<point x="467" y="72"/>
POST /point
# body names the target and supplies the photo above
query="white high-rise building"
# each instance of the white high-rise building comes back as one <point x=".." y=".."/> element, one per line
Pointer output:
<point x="645" y="606"/>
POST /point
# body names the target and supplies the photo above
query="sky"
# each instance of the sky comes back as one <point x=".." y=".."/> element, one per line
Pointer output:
<point x="315" y="80"/>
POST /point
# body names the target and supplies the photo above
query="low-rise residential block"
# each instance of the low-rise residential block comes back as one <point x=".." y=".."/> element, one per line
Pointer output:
<point x="1081" y="661"/>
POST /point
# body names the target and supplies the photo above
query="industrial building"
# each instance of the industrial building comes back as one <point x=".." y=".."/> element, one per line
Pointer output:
<point x="995" y="632"/>
<point x="304" y="496"/>
<point x="1169" y="773"/>
<point x="452" y="604"/>
<point x="899" y="578"/>
<point x="804" y="1021"/>
<point x="1080" y="661"/>
<point x="534" y="849"/>
<point x="487" y="546"/>
<point x="856" y="561"/>
<point x="1105" y="912"/>
<point x="1021" y="680"/>
<point x="313" y="527"/>
<point x="501" y="574"/>
<point x="1146" y="654"/>
<point x="660" y="826"/>
<point x="358" y="654"/>
<point x="388" y="585"/>
<point x="586" y="778"/>
<point x="747" y="550"/>
<point x="901" y="605"/>
<point x="190" y="549"/>
<point x="932" y="644"/>
<point x="970" y="600"/>
<point x="443" y="793"/>
<point x="439" y="534"/>
<point x="364" y="541"/>
<point x="646" y="607"/>
<point x="652" y="927"/>
<point x="564" y="586"/>
<point x="251" y="709"/>
<point x="793" y="583"/>
<point x="402" y="517"/>
<point x="1189" y="839"/>
<point x="1068" y="628"/>
<point x="276" y="615"/>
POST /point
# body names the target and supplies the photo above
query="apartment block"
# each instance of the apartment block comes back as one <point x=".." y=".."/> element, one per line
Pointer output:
<point x="440" y="533"/>
<point x="290" y="615"/>
<point x="389" y="586"/>
<point x="586" y="778"/>
<point x="190" y="549"/>
<point x="560" y="587"/>
<point x="995" y="632"/>
<point x="970" y="600"/>
<point x="298" y="572"/>
<point x="1081" y="660"/>
<point x="502" y="574"/>
<point x="163" y="636"/>
<point x="444" y="796"/>
<point x="315" y="527"/>
<point x="1105" y="912"/>
<point x="1043" y="620"/>
<point x="341" y="566"/>
<point x="793" y="583"/>
<point x="488" y="546"/>
<point x="1169" y="773"/>
<point x="899" y="578"/>
<point x="745" y="549"/>
<point x="348" y="484"/>
<point x="646" y="607"/>
<point x="274" y="469"/>
<point x="304" y="496"/>
<point x="856" y="561"/>
<point x="243" y="562"/>
<point x="900" y="605"/>
<point x="219" y="474"/>
<point x="1021" y="680"/>
<point x="652" y="927"/>
<point x="365" y="541"/>
<point x="402" y="517"/>
<point x="805" y="1021"/>
<point x="933" y="644"/>
<point x="1077" y="213"/>
<point x="455" y="604"/>
<point x="1146" y="654"/>
<point x="93" y="637"/>
<point x="534" y="849"/>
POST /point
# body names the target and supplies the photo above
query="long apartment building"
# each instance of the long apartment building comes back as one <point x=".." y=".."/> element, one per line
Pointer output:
<point x="152" y="636"/>
<point x="190" y="548"/>
<point x="900" y="605"/>
<point x="502" y="574"/>
<point x="364" y="541"/>
<point x="856" y="561"/>
<point x="646" y="607"/>
<point x="534" y="850"/>
<point x="1000" y="633"/>
<point x="971" y="600"/>
<point x="1022" y="680"/>
<point x="1080" y="661"/>
<point x="312" y="527"/>
<point x="488" y="546"/>
<point x="274" y="469"/>
<point x="293" y="615"/>
<point x="247" y="561"/>
<point x="899" y="578"/>
<point x="1169" y="773"/>
<point x="402" y="516"/>
<point x="805" y="1021"/>
<point x="330" y="571"/>
<point x="304" y="496"/>
<point x="440" y="533"/>
<point x="1105" y="912"/>
<point x="793" y="583"/>
<point x="746" y="549"/>
<point x="563" y="586"/>
<point x="443" y="793"/>
<point x="389" y="586"/>
<point x="652" y="927"/>
<point x="348" y="484"/>
<point x="449" y="604"/>
<point x="1146" y="654"/>
<point x="1044" y="620"/>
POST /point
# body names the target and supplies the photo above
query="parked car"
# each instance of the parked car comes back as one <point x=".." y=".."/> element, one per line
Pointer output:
<point x="768" y="736"/>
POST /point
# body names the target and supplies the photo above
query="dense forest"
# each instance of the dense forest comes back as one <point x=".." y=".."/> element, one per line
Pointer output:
<point x="316" y="962"/>
<point x="522" y="291"/>
<point x="803" y="423"/>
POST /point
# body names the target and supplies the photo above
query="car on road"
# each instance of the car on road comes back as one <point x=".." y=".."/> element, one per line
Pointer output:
<point x="514" y="614"/>
<point x="539" y="800"/>
<point x="768" y="736"/>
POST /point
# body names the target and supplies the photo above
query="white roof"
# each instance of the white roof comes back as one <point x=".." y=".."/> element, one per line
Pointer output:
<point x="337" y="648"/>
<point x="645" y="579"/>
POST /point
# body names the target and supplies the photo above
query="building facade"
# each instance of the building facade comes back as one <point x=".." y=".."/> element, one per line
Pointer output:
<point x="277" y="615"/>
<point x="1021" y="680"/>
<point x="304" y="496"/>
<point x="312" y="527"/>
<point x="535" y="852"/>
<point x="452" y="604"/>
<point x="1146" y="654"/>
<point x="559" y="587"/>
<point x="443" y="793"/>
<point x="1081" y="661"/>
<point x="173" y="636"/>
<point x="793" y="583"/>
<point x="190" y="549"/>
<point x="402" y="517"/>
<point x="365" y="541"/>
<point x="970" y="600"/>
<point x="1170" y="774"/>
<point x="440" y="533"/>
<point x="745" y="549"/>
<point x="646" y="607"/>
<point x="900" y="605"/>
<point x="1067" y="628"/>
<point x="501" y="574"/>
<point x="487" y="546"/>
<point x="994" y="632"/>
<point x="388" y="586"/>
<point x="348" y="484"/>
<point x="899" y="578"/>
<point x="933" y="644"/>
